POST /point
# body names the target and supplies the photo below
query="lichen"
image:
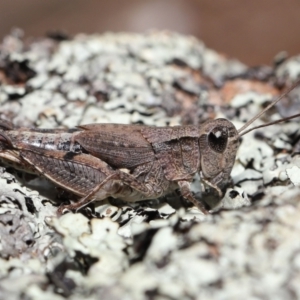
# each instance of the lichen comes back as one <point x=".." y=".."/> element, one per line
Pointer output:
<point x="248" y="247"/>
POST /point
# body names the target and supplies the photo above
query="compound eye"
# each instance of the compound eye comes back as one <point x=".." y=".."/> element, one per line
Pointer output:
<point x="217" y="139"/>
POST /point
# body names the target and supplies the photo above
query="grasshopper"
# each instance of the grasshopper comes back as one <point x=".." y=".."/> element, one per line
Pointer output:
<point x="129" y="162"/>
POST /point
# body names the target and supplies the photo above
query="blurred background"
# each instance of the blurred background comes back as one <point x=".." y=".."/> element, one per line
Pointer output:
<point x="252" y="31"/>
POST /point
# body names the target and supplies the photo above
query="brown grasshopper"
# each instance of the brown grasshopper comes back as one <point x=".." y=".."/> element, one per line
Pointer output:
<point x="129" y="162"/>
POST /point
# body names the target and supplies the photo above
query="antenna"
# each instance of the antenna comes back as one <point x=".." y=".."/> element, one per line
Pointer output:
<point x="271" y="123"/>
<point x="267" y="108"/>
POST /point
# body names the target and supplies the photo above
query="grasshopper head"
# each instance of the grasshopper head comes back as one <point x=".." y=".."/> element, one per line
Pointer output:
<point x="219" y="140"/>
<point x="218" y="145"/>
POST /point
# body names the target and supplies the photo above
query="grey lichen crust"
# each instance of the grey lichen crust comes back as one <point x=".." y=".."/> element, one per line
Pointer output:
<point x="248" y="248"/>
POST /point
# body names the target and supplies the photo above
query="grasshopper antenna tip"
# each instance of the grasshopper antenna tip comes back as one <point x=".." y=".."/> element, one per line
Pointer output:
<point x="240" y="131"/>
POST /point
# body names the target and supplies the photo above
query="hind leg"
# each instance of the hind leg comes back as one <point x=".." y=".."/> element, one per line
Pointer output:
<point x="84" y="201"/>
<point x="81" y="174"/>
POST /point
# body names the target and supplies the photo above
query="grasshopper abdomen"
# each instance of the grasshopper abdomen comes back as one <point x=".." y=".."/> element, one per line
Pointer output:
<point x="36" y="140"/>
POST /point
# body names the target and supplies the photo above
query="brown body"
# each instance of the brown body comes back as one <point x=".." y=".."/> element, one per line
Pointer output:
<point x="129" y="162"/>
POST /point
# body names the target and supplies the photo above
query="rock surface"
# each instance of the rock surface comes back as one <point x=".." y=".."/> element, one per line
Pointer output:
<point x="247" y="248"/>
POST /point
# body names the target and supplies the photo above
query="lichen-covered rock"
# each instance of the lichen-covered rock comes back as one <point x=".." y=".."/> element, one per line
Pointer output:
<point x="160" y="249"/>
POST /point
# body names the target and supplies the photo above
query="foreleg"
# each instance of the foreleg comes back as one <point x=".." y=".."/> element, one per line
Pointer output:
<point x="187" y="194"/>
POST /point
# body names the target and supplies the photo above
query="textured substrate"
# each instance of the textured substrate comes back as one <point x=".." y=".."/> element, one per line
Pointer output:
<point x="249" y="248"/>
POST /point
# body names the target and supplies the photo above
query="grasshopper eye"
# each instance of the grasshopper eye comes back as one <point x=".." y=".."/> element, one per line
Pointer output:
<point x="217" y="139"/>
